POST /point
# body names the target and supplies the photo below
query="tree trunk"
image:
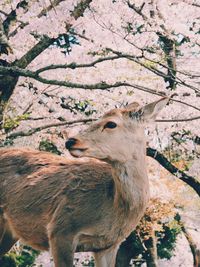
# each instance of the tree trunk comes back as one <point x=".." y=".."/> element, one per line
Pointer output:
<point x="169" y="48"/>
<point x="193" y="246"/>
<point x="7" y="85"/>
<point x="152" y="259"/>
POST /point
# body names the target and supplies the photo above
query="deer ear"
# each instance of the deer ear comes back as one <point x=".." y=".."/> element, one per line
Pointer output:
<point x="150" y="111"/>
<point x="132" y="106"/>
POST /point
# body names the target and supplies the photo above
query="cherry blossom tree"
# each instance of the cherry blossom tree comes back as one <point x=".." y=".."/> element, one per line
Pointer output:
<point x="51" y="51"/>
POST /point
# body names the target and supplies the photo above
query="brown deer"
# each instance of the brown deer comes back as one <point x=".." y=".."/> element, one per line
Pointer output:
<point x="50" y="202"/>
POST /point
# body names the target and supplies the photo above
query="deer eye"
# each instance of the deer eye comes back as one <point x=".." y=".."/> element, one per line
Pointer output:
<point x="110" y="125"/>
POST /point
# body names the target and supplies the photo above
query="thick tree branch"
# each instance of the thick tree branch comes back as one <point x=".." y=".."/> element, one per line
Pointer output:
<point x="191" y="181"/>
<point x="80" y="8"/>
<point x="35" y="75"/>
<point x="16" y="72"/>
<point x="35" y="51"/>
<point x="46" y="41"/>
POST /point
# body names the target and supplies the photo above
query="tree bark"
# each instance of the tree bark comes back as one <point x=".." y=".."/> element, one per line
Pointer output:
<point x="151" y="245"/>
<point x="7" y="85"/>
<point x="169" y="48"/>
<point x="195" y="252"/>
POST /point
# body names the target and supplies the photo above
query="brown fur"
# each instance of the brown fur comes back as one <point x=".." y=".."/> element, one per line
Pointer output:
<point x="47" y="201"/>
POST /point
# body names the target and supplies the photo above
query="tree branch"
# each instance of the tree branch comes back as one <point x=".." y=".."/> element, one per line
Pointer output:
<point x="36" y="50"/>
<point x="138" y="10"/>
<point x="12" y="17"/>
<point x="191" y="181"/>
<point x="38" y="129"/>
<point x="4" y="45"/>
<point x="168" y="47"/>
<point x="155" y="70"/>
<point x="49" y="8"/>
<point x="80" y="8"/>
<point x="16" y="72"/>
<point x="73" y="65"/>
<point x="8" y="82"/>
<point x="195" y="251"/>
<point x="184" y="103"/>
<point x="180" y="120"/>
<point x="47" y="126"/>
<point x="192" y="4"/>
<point x="46" y="41"/>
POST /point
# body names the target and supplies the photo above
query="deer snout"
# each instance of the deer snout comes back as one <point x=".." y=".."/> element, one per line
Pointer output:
<point x="76" y="147"/>
<point x="70" y="143"/>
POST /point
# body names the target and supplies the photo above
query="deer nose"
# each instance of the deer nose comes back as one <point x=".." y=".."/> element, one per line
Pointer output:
<point x="70" y="142"/>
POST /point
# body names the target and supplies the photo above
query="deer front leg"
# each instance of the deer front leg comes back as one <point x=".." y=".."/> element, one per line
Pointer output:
<point x="2" y="227"/>
<point x="106" y="258"/>
<point x="62" y="249"/>
<point x="6" y="238"/>
<point x="6" y="243"/>
<point x="62" y="239"/>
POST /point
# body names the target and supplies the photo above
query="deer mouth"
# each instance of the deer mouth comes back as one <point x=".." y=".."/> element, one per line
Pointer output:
<point x="77" y="152"/>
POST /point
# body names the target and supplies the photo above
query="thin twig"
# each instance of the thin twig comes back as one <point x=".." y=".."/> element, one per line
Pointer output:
<point x="47" y="126"/>
<point x="154" y="70"/>
<point x="67" y="123"/>
<point x="74" y="65"/>
<point x="49" y="8"/>
<point x="180" y="120"/>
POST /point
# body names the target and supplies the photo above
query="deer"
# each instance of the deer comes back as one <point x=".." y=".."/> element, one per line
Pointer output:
<point x="68" y="205"/>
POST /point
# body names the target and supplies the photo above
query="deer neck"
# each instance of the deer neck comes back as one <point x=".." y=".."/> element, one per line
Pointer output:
<point x="131" y="182"/>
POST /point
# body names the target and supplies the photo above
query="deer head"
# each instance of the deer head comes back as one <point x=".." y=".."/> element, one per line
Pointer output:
<point x="118" y="135"/>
